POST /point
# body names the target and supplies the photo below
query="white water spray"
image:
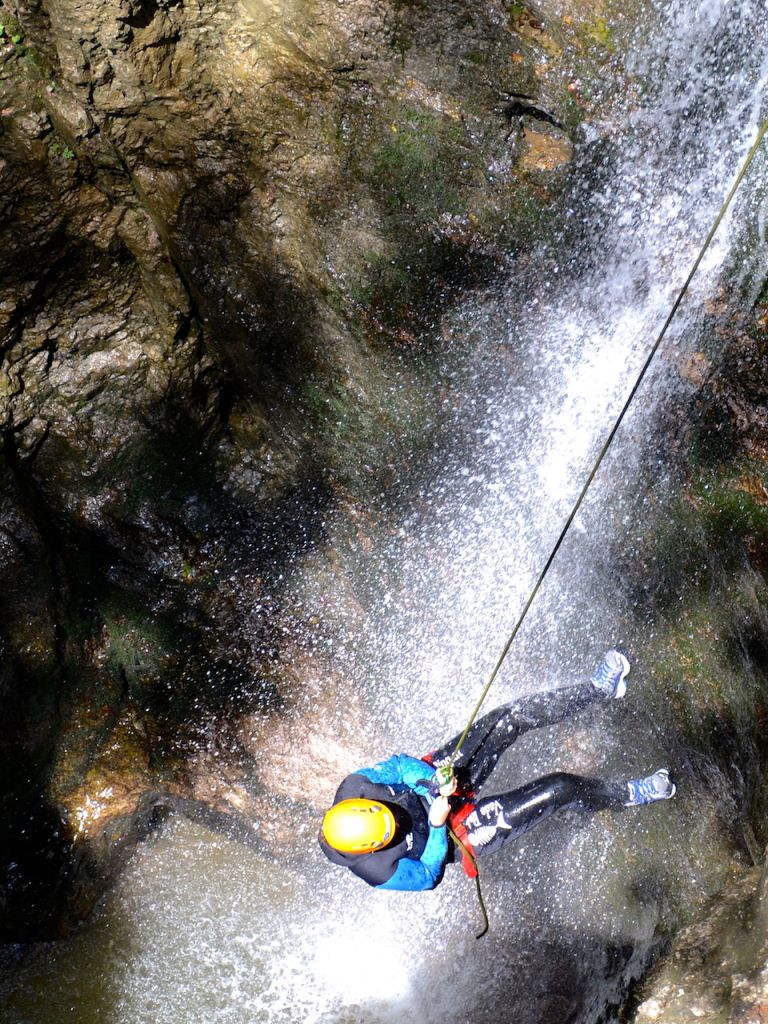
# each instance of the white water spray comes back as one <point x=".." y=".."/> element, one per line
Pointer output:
<point x="202" y="931"/>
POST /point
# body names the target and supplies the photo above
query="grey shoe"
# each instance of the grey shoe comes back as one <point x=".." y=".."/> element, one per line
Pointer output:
<point x="658" y="786"/>
<point x="609" y="675"/>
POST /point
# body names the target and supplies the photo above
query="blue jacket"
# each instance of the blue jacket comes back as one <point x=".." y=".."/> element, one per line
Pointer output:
<point x="413" y="861"/>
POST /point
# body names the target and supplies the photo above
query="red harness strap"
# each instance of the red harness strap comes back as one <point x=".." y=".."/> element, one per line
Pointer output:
<point x="456" y="825"/>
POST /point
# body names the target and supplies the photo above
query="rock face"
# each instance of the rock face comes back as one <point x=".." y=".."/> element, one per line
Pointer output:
<point x="231" y="235"/>
<point x="717" y="969"/>
<point x="704" y="604"/>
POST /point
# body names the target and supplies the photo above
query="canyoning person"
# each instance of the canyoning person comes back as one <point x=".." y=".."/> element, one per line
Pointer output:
<point x="388" y="823"/>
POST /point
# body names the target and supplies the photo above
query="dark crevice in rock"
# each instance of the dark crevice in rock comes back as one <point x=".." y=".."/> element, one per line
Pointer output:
<point x="35" y="859"/>
<point x="34" y="504"/>
<point x="520" y="106"/>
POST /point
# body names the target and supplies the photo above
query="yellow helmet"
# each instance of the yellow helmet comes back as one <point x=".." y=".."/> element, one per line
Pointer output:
<point x="358" y="826"/>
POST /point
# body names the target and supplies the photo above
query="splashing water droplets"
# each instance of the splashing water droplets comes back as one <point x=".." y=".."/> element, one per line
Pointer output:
<point x="238" y="938"/>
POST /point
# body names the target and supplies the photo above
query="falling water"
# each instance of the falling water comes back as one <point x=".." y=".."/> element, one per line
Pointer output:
<point x="201" y="929"/>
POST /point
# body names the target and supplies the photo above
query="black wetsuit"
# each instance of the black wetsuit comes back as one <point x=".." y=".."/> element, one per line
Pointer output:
<point x="482" y="824"/>
<point x="493" y="821"/>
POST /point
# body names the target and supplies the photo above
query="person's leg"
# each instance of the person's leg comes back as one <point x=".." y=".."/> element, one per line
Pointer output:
<point x="497" y="820"/>
<point x="491" y="735"/>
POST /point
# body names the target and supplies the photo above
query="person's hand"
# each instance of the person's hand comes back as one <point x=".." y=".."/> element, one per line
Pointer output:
<point x="450" y="787"/>
<point x="439" y="811"/>
<point x="444" y="781"/>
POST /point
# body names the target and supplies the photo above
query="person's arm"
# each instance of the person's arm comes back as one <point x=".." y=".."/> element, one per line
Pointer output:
<point x="425" y="873"/>
<point x="400" y="769"/>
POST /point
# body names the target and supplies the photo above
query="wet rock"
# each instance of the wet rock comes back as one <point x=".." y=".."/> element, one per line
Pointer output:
<point x="717" y="969"/>
<point x="545" y="150"/>
<point x="708" y="622"/>
<point x="229" y="231"/>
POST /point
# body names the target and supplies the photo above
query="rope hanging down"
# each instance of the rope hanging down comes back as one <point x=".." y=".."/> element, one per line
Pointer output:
<point x="598" y="462"/>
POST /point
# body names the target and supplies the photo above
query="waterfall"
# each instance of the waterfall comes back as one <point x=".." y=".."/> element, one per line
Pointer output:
<point x="203" y="930"/>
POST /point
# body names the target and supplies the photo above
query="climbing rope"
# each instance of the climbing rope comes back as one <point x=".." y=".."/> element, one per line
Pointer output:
<point x="598" y="462"/>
